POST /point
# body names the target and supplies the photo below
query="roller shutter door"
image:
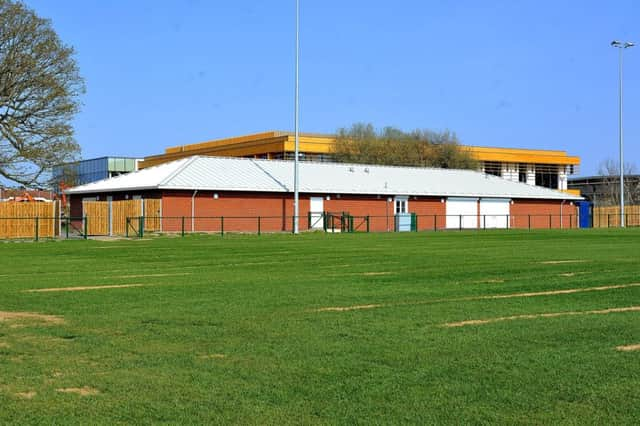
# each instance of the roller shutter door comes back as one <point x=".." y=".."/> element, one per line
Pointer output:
<point x="494" y="213"/>
<point x="462" y="213"/>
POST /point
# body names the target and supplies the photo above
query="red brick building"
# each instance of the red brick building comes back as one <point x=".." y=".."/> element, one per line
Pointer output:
<point x="237" y="194"/>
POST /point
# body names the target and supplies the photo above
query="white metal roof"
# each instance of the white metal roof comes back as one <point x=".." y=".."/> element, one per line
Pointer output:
<point x="244" y="174"/>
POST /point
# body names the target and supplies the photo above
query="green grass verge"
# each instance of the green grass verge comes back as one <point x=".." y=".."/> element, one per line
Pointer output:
<point x="228" y="330"/>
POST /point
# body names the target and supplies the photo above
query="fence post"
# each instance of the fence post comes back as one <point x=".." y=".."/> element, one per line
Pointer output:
<point x="435" y="222"/>
<point x="549" y="221"/>
<point x="258" y="225"/>
<point x="459" y="222"/>
<point x="367" y="219"/>
<point x="37" y="226"/>
<point x="126" y="228"/>
<point x="222" y="226"/>
<point x="415" y="222"/>
<point x="608" y="220"/>
<point x="182" y="229"/>
<point x="68" y="225"/>
<point x="529" y="222"/>
<point x="484" y="222"/>
<point x="86" y="226"/>
<point x="141" y="226"/>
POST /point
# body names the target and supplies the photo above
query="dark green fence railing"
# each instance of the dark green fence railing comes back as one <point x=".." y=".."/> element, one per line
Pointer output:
<point x="37" y="228"/>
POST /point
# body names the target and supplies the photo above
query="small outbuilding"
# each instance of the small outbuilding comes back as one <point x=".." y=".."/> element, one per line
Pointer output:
<point x="253" y="194"/>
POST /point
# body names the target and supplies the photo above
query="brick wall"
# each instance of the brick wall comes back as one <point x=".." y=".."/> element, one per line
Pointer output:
<point x="542" y="214"/>
<point x="426" y="208"/>
<point x="241" y="209"/>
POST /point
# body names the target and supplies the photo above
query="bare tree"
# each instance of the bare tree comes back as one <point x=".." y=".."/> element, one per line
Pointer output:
<point x="39" y="87"/>
<point x="610" y="193"/>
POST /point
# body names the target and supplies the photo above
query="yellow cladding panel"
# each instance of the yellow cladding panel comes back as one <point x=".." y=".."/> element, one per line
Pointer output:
<point x="518" y="155"/>
<point x="573" y="192"/>
<point x="278" y="142"/>
<point x="246" y="149"/>
<point x="311" y="144"/>
<point x="257" y="137"/>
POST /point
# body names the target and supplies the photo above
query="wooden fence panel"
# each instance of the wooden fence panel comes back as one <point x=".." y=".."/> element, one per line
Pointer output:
<point x="97" y="214"/>
<point x="152" y="214"/>
<point x="605" y="217"/>
<point x="121" y="210"/>
<point x="17" y="220"/>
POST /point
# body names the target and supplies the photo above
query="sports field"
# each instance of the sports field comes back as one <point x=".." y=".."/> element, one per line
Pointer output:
<point x="461" y="327"/>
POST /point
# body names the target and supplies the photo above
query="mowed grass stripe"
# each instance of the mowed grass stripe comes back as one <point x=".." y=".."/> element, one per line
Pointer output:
<point x="542" y="315"/>
<point x="487" y="297"/>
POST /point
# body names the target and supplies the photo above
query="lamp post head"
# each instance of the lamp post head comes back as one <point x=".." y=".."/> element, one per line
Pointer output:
<point x="622" y="45"/>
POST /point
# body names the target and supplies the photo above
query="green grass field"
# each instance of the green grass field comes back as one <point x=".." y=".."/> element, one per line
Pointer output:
<point x="323" y="329"/>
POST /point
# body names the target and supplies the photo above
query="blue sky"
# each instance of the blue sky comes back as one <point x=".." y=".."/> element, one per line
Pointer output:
<point x="532" y="74"/>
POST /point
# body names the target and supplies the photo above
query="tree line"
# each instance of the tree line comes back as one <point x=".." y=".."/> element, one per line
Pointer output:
<point x="363" y="143"/>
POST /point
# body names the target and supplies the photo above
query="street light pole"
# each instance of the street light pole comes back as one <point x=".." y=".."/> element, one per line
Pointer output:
<point x="621" y="46"/>
<point x="296" y="195"/>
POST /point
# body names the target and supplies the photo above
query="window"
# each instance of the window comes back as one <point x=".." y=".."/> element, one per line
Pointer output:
<point x="547" y="176"/>
<point x="493" y="168"/>
<point x="401" y="206"/>
<point x="522" y="173"/>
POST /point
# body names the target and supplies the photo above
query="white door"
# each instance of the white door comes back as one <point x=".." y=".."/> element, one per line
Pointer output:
<point x="494" y="213"/>
<point x="316" y="210"/>
<point x="403" y="218"/>
<point x="462" y="213"/>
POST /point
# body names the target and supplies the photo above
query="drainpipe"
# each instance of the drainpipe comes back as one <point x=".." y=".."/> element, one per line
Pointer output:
<point x="561" y="204"/>
<point x="193" y="210"/>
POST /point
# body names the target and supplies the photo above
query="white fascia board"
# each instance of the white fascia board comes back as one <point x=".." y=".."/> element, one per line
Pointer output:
<point x="102" y="190"/>
<point x="218" y="188"/>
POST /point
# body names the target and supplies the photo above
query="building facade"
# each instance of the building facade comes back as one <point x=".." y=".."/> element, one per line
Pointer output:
<point x="205" y="194"/>
<point x="546" y="168"/>
<point x="605" y="190"/>
<point x="94" y="169"/>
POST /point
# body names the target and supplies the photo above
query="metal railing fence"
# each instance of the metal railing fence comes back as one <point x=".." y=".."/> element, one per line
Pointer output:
<point x="41" y="227"/>
<point x="343" y="222"/>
